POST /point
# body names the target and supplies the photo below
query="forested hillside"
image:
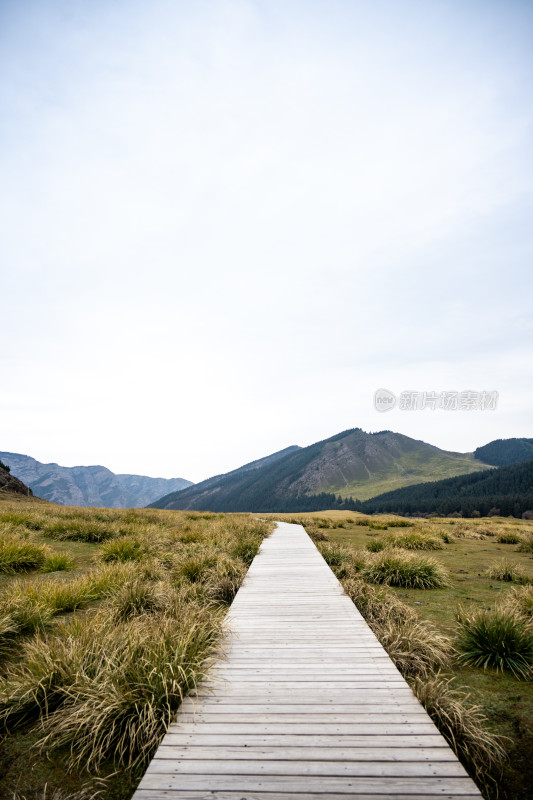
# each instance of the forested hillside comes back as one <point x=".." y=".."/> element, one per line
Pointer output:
<point x="507" y="491"/>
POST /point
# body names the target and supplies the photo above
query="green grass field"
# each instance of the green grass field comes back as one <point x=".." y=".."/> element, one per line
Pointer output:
<point x="107" y="618"/>
<point x="110" y="617"/>
<point x="470" y="554"/>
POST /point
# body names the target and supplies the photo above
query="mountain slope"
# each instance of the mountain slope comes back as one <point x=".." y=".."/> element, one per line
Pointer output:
<point x="351" y="463"/>
<point x="505" y="490"/>
<point x="89" y="486"/>
<point x="502" y="452"/>
<point x="10" y="485"/>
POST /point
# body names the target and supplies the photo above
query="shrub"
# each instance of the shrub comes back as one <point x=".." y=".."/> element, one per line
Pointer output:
<point x="18" y="555"/>
<point x="463" y="725"/>
<point x="58" y="562"/>
<point x="500" y="640"/>
<point x="395" y="568"/>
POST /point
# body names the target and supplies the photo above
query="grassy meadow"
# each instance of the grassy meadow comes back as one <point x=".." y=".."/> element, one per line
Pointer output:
<point x="452" y="602"/>
<point x="107" y="619"/>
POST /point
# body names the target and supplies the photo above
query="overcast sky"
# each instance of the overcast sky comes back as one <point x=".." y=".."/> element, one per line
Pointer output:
<point x="225" y="224"/>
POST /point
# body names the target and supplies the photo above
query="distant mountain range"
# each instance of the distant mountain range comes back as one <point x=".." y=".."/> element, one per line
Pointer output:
<point x="89" y="486"/>
<point x="351" y="464"/>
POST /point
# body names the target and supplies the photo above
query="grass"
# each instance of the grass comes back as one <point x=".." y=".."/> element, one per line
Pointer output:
<point x="395" y="568"/>
<point x="58" y="562"/>
<point x="19" y="555"/>
<point x="123" y="549"/>
<point x="509" y="538"/>
<point x="501" y="640"/>
<point x="487" y="715"/>
<point x="464" y="725"/>
<point x="94" y="662"/>
<point x="506" y="571"/>
<point x="519" y="600"/>
<point x="414" y="541"/>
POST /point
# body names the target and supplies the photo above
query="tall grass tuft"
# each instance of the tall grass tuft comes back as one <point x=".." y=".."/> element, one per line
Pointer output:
<point x="526" y="547"/>
<point x="520" y="601"/>
<point x="464" y="726"/>
<point x="509" y="538"/>
<point x="19" y="555"/>
<point x="414" y="541"/>
<point x="246" y="549"/>
<point x="377" y="604"/>
<point x="506" y="571"/>
<point x="500" y="640"/>
<point x="397" y="568"/>
<point x="338" y="558"/>
<point x="58" y="562"/>
<point x="375" y="545"/>
<point x="417" y="648"/>
<point x="123" y="549"/>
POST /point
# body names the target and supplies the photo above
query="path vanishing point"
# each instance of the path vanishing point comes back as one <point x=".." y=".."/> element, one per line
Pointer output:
<point x="306" y="702"/>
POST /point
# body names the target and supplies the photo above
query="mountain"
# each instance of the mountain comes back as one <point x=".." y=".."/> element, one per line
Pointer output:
<point x="506" y="490"/>
<point x="351" y="464"/>
<point x="89" y="486"/>
<point x="11" y="485"/>
<point x="502" y="452"/>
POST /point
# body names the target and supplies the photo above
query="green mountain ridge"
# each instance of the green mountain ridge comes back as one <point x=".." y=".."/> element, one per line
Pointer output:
<point x="503" y="452"/>
<point x="505" y="491"/>
<point x="350" y="464"/>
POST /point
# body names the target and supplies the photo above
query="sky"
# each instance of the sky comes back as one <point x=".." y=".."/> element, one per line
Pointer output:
<point x="226" y="223"/>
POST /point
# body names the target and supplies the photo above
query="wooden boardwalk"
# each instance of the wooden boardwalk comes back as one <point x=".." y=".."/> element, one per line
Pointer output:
<point x="306" y="703"/>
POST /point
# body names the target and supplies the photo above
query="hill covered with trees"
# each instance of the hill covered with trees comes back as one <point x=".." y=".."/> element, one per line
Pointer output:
<point x="507" y="491"/>
<point x="502" y="452"/>
<point x="327" y="474"/>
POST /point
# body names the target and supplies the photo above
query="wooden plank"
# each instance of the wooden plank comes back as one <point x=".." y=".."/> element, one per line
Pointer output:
<point x="361" y="769"/>
<point x="310" y="753"/>
<point x="320" y="729"/>
<point x="188" y="794"/>
<point x="279" y="783"/>
<point x="304" y="740"/>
